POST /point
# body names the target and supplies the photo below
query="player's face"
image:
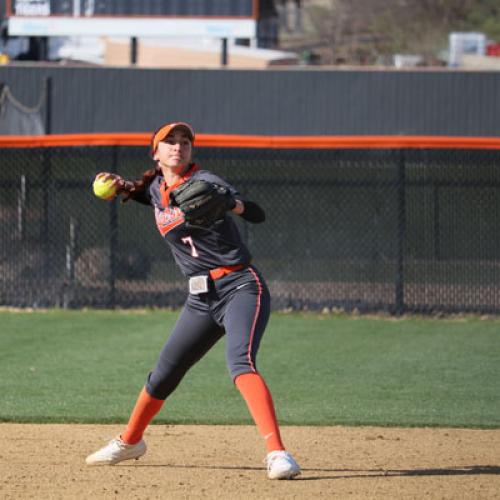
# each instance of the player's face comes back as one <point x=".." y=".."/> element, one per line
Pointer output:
<point x="175" y="150"/>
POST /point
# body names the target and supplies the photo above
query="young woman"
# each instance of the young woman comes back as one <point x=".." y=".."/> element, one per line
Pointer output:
<point x="228" y="297"/>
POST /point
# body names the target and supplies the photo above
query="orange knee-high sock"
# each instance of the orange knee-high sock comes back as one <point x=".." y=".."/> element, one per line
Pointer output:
<point x="144" y="410"/>
<point x="260" y="403"/>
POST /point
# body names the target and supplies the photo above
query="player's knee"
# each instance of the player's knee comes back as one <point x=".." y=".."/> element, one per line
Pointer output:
<point x="236" y="370"/>
<point x="162" y="382"/>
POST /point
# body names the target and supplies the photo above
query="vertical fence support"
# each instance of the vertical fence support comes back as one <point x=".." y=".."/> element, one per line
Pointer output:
<point x="70" y="263"/>
<point x="71" y="250"/>
<point x="113" y="236"/>
<point x="399" y="285"/>
<point x="48" y="105"/>
<point x="21" y="209"/>
<point x="223" y="53"/>
<point x="48" y="191"/>
<point x="133" y="51"/>
<point x="437" y="230"/>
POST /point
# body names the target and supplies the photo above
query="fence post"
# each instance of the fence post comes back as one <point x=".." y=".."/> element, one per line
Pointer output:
<point x="223" y="53"/>
<point x="437" y="229"/>
<point x="71" y="250"/>
<point x="48" y="193"/>
<point x="70" y="263"/>
<point x="48" y="105"/>
<point x="113" y="236"/>
<point x="21" y="209"/>
<point x="401" y="236"/>
<point x="133" y="51"/>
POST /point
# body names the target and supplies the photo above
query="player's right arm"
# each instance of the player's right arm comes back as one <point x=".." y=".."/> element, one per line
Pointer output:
<point x="128" y="189"/>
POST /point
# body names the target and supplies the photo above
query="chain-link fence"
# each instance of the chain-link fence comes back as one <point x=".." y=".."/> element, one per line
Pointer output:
<point x="393" y="230"/>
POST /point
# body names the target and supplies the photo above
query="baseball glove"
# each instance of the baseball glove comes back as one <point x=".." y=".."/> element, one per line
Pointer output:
<point x="202" y="202"/>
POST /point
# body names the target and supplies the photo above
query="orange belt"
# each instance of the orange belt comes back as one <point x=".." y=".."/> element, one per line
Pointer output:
<point x="219" y="272"/>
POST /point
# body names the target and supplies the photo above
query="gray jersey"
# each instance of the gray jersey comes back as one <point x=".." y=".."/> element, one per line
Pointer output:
<point x="197" y="250"/>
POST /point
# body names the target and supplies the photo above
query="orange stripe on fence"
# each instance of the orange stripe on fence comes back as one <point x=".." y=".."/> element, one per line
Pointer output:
<point x="58" y="140"/>
<point x="347" y="142"/>
<point x="259" y="141"/>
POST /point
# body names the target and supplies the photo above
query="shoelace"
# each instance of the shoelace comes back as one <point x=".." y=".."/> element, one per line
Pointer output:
<point x="275" y="456"/>
<point x="118" y="443"/>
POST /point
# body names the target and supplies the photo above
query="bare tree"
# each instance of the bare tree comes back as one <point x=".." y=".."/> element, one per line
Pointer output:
<point x="369" y="31"/>
<point x="345" y="27"/>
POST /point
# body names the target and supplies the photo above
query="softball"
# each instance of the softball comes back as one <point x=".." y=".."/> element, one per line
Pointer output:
<point x="104" y="189"/>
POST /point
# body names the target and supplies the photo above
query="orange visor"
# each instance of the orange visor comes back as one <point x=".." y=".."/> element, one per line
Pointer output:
<point x="164" y="130"/>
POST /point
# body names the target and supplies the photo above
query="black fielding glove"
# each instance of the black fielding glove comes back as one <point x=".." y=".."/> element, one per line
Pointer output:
<point x="203" y="203"/>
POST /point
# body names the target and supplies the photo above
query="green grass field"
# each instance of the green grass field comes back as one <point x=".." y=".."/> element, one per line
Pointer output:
<point x="88" y="366"/>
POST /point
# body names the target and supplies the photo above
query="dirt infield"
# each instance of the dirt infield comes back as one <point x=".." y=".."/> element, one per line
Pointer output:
<point x="47" y="461"/>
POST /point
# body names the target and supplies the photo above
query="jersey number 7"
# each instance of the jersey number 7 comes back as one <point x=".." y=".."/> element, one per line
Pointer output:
<point x="189" y="241"/>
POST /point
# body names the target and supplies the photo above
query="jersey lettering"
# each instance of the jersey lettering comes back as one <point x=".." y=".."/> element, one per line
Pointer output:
<point x="168" y="218"/>
<point x="189" y="241"/>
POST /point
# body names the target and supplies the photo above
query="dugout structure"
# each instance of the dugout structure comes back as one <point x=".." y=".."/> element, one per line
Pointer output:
<point x="396" y="224"/>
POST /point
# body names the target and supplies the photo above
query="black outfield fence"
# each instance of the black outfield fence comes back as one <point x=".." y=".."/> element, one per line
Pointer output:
<point x="374" y="224"/>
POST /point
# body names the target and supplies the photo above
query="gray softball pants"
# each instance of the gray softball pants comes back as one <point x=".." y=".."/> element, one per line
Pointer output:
<point x="237" y="305"/>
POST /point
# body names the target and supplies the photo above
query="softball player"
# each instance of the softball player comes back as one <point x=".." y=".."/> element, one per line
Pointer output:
<point x="227" y="296"/>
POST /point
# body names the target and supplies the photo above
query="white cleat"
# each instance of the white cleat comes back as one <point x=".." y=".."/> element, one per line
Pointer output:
<point x="281" y="465"/>
<point x="116" y="451"/>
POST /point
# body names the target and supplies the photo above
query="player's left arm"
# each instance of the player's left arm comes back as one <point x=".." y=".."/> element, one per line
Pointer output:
<point x="246" y="209"/>
<point x="249" y="210"/>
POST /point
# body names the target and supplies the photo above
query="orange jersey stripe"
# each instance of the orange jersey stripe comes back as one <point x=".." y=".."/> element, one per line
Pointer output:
<point x="165" y="229"/>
